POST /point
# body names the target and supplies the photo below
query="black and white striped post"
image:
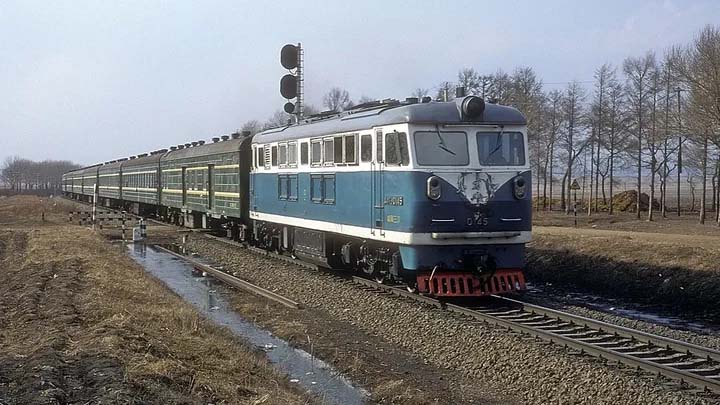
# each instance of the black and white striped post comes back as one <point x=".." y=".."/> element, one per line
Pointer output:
<point x="143" y="229"/>
<point x="124" y="227"/>
<point x="94" y="206"/>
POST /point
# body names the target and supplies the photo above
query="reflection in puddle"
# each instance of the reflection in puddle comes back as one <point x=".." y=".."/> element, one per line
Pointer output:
<point x="616" y="307"/>
<point x="311" y="373"/>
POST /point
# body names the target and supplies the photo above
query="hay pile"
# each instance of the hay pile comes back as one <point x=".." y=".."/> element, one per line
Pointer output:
<point x="627" y="200"/>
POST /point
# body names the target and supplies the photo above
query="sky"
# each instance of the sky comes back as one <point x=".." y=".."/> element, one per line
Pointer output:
<point x="99" y="80"/>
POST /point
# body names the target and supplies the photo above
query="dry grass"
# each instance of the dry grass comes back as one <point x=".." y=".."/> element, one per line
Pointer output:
<point x="68" y="297"/>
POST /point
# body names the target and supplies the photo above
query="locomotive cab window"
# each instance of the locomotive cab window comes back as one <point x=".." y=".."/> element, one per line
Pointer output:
<point x="435" y="148"/>
<point x="365" y="148"/>
<point x="396" y="149"/>
<point x="274" y="156"/>
<point x="501" y="148"/>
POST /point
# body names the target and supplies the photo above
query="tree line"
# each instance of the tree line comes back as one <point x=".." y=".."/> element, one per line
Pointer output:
<point x="20" y="174"/>
<point x="655" y="115"/>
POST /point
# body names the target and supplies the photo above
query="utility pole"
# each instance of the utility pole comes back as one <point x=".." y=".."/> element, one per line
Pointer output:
<point x="680" y="142"/>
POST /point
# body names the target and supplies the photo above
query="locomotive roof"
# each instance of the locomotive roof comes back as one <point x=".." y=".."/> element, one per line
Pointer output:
<point x="231" y="145"/>
<point x="388" y="114"/>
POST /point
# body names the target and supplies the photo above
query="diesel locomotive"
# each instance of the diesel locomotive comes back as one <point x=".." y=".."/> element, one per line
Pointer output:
<point x="435" y="195"/>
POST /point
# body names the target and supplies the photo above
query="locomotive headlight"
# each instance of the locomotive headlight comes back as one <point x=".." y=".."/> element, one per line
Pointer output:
<point x="434" y="190"/>
<point x="519" y="187"/>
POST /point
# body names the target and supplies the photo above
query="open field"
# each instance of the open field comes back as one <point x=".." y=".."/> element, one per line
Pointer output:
<point x="80" y="322"/>
<point x="670" y="261"/>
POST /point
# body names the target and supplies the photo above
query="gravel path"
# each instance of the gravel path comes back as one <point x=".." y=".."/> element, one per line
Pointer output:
<point x="532" y="372"/>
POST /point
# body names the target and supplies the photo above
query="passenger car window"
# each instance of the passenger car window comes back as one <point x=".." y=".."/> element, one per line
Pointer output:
<point x="365" y="148"/>
<point x="396" y="149"/>
<point x="260" y="156"/>
<point x="274" y="156"/>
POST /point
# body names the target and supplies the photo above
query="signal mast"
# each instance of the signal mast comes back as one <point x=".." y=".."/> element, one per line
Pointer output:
<point x="291" y="85"/>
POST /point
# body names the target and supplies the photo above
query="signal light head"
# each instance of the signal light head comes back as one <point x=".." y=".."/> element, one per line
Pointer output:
<point x="289" y="57"/>
<point x="288" y="86"/>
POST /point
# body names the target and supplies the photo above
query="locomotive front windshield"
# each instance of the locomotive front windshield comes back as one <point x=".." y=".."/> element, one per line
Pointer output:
<point x="439" y="148"/>
<point x="501" y="148"/>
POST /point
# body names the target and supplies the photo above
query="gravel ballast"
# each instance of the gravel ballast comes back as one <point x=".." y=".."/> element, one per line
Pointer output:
<point x="533" y="372"/>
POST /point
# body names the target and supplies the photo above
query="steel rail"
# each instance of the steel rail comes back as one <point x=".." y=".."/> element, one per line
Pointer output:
<point x="234" y="281"/>
<point x="671" y="358"/>
<point x="592" y="327"/>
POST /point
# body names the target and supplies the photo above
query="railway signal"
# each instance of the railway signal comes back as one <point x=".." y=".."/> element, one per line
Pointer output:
<point x="291" y="85"/>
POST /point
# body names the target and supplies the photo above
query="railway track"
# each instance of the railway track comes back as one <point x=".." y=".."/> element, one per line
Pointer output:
<point x="684" y="362"/>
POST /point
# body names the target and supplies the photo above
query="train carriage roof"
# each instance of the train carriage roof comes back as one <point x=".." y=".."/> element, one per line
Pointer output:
<point x="152" y="159"/>
<point x="388" y="114"/>
<point x="214" y="148"/>
<point x="111" y="166"/>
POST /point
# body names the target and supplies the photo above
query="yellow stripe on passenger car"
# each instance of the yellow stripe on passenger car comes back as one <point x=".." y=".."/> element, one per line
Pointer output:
<point x="226" y="194"/>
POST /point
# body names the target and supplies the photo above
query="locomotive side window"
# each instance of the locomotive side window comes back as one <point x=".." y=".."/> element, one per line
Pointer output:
<point x="365" y="148"/>
<point x="292" y="154"/>
<point x="304" y="153"/>
<point x="260" y="157"/>
<point x="316" y="188"/>
<point x="349" y="149"/>
<point x="316" y="158"/>
<point x="379" y="147"/>
<point x="328" y="151"/>
<point x="328" y="189"/>
<point x="274" y="157"/>
<point x="501" y="148"/>
<point x="396" y="149"/>
<point x="338" y="152"/>
<point x="283" y="154"/>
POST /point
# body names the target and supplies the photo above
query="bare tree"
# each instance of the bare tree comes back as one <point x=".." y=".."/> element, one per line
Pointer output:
<point x="337" y="99"/>
<point x="469" y="79"/>
<point x="638" y="72"/>
<point x="419" y="93"/>
<point x="573" y="143"/>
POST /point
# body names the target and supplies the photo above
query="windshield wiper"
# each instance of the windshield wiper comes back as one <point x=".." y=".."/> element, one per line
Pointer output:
<point x="498" y="142"/>
<point x="441" y="144"/>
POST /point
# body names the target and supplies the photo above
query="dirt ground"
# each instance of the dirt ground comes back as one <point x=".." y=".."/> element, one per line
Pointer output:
<point x="686" y="224"/>
<point x="80" y="322"/>
<point x="673" y="262"/>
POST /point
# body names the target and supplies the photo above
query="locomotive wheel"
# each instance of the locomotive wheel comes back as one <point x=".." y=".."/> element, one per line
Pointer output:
<point x="411" y="286"/>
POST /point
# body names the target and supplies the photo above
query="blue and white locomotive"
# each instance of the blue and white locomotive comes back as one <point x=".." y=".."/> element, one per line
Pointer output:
<point x="435" y="195"/>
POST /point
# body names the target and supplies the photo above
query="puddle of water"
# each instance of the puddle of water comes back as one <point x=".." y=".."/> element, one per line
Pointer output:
<point x="612" y="306"/>
<point x="311" y="373"/>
